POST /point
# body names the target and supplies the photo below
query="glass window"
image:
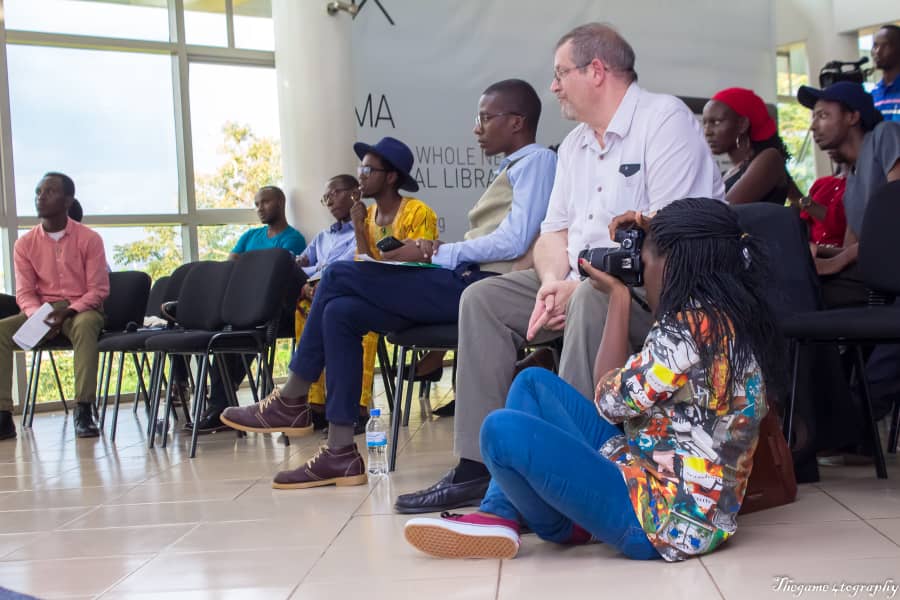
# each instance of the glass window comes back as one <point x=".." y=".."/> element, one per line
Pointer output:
<point x="234" y="121"/>
<point x="205" y="23"/>
<point x="133" y="19"/>
<point x="215" y="242"/>
<point x="253" y="25"/>
<point x="109" y="124"/>
<point x="153" y="249"/>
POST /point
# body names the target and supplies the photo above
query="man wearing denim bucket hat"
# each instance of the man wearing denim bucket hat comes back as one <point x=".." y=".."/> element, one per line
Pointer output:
<point x="846" y="124"/>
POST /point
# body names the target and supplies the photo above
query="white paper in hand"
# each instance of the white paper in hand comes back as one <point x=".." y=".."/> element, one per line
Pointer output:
<point x="34" y="329"/>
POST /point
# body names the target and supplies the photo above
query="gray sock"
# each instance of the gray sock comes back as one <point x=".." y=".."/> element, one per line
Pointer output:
<point x="295" y="387"/>
<point x="339" y="436"/>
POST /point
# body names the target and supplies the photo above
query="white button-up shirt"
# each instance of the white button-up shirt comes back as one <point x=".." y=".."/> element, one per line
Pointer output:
<point x="654" y="153"/>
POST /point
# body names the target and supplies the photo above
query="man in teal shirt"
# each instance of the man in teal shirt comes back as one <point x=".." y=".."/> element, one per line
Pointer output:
<point x="275" y="233"/>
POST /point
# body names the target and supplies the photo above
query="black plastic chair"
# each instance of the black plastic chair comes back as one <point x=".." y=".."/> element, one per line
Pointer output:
<point x="124" y="308"/>
<point x="198" y="316"/>
<point x="247" y="323"/>
<point x="132" y="342"/>
<point x="877" y="323"/>
<point x="420" y="338"/>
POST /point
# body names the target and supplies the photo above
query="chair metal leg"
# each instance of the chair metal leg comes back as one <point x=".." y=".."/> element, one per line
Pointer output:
<point x="386" y="367"/>
<point x="396" y="411"/>
<point x="62" y="394"/>
<point x="101" y="375"/>
<point x="141" y="388"/>
<point x="788" y="424"/>
<point x="27" y="406"/>
<point x="248" y="371"/>
<point x="880" y="467"/>
<point x="411" y="383"/>
<point x="115" y="417"/>
<point x="200" y="398"/>
<point x="159" y="361"/>
<point x="895" y="425"/>
<point x="170" y="398"/>
<point x="105" y="398"/>
<point x="34" y="388"/>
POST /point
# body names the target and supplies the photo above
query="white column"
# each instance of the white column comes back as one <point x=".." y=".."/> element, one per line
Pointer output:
<point x="313" y="64"/>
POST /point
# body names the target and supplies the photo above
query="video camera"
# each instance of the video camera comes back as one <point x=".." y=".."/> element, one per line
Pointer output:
<point x="837" y="70"/>
<point x="623" y="262"/>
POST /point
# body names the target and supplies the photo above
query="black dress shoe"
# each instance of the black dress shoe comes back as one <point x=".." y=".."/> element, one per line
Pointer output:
<point x="7" y="425"/>
<point x="84" y="421"/>
<point x="208" y="423"/>
<point x="447" y="410"/>
<point x="444" y="495"/>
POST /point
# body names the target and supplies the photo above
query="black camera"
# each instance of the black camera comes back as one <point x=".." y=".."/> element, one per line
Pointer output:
<point x="623" y="262"/>
<point x="837" y="70"/>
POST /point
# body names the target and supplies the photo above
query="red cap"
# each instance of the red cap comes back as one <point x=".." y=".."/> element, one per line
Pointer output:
<point x="747" y="104"/>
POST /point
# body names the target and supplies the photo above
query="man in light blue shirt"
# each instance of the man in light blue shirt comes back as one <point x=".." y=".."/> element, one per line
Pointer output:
<point x="337" y="242"/>
<point x="530" y="172"/>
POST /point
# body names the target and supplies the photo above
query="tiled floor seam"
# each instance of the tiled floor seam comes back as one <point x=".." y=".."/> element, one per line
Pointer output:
<point x="875" y="529"/>
<point x="712" y="579"/>
<point x="127" y="575"/>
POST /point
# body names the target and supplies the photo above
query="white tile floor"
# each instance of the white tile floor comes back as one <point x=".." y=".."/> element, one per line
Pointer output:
<point x="93" y="518"/>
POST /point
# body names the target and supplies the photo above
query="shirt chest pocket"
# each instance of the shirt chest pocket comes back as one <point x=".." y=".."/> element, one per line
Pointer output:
<point x="630" y="192"/>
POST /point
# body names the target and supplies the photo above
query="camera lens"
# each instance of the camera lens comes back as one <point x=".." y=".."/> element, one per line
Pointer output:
<point x="627" y="243"/>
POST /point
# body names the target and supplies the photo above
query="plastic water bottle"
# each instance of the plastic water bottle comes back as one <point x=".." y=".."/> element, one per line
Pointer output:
<point x="376" y="441"/>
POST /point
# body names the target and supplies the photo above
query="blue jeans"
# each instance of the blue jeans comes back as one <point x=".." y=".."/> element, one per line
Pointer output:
<point x="542" y="452"/>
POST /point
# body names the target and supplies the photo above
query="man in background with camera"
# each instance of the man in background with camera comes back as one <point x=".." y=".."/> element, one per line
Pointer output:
<point x="632" y="151"/>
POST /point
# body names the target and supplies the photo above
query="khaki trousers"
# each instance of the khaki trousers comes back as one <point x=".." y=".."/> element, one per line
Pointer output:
<point x="82" y="330"/>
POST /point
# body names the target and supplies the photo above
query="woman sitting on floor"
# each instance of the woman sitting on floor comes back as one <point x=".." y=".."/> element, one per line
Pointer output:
<point x="690" y="402"/>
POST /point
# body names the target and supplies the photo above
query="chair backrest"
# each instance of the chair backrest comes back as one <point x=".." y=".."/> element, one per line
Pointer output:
<point x="257" y="287"/>
<point x="8" y="306"/>
<point x="877" y="243"/>
<point x="200" y="299"/>
<point x="176" y="280"/>
<point x="128" y="291"/>
<point x="157" y="296"/>
<point x="794" y="284"/>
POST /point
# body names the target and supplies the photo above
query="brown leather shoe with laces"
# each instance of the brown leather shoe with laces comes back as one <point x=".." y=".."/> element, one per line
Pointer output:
<point x="272" y="414"/>
<point x="338" y="466"/>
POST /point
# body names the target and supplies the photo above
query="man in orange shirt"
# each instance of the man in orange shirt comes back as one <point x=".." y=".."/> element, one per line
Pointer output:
<point x="62" y="262"/>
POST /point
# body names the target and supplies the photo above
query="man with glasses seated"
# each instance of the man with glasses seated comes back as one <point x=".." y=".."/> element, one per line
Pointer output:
<point x="336" y="242"/>
<point x="356" y="297"/>
<point x="632" y="151"/>
<point x="275" y="233"/>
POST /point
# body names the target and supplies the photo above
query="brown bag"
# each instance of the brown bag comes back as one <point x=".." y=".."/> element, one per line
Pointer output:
<point x="772" y="482"/>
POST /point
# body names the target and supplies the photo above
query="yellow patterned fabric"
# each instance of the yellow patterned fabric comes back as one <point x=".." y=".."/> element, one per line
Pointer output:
<point x="414" y="220"/>
<point x="369" y="344"/>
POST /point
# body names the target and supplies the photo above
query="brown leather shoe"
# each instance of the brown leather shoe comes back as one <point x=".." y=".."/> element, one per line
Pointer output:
<point x="338" y="466"/>
<point x="272" y="414"/>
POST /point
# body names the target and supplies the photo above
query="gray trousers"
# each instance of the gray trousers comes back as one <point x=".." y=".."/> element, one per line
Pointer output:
<point x="493" y="320"/>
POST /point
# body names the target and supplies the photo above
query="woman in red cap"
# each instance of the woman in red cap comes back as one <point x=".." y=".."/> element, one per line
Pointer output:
<point x="736" y="122"/>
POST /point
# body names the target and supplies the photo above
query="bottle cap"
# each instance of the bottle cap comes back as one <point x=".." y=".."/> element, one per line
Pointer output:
<point x="375" y="412"/>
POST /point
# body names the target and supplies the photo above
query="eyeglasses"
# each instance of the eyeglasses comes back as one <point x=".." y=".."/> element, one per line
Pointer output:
<point x="367" y="170"/>
<point x="558" y="73"/>
<point x="332" y="193"/>
<point x="481" y="119"/>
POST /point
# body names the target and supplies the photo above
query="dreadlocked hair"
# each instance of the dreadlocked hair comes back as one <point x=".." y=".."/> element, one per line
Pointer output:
<point x="716" y="275"/>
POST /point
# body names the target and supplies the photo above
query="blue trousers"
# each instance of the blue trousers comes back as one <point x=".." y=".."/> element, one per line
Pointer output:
<point x="542" y="452"/>
<point x="354" y="298"/>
